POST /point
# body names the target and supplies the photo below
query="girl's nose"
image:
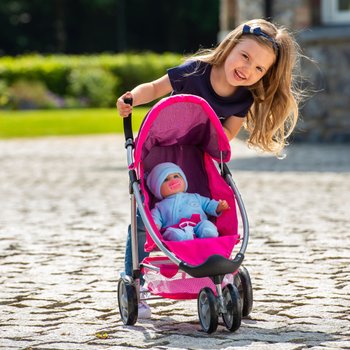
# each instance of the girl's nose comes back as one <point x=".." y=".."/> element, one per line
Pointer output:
<point x="247" y="67"/>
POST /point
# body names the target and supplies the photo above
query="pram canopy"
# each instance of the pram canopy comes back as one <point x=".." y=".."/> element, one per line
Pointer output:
<point x="185" y="130"/>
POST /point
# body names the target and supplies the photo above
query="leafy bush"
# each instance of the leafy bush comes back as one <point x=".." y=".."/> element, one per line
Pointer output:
<point x="95" y="85"/>
<point x="4" y="93"/>
<point x="94" y="80"/>
<point x="30" y="95"/>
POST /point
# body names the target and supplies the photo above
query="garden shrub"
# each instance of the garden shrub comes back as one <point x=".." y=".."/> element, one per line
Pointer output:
<point x="24" y="94"/>
<point x="96" y="86"/>
<point x="83" y="80"/>
<point x="4" y="93"/>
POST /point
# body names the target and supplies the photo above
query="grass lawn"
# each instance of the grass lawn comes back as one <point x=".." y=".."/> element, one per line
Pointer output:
<point x="65" y="122"/>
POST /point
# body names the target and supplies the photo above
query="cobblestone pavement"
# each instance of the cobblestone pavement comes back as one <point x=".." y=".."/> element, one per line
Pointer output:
<point x="64" y="210"/>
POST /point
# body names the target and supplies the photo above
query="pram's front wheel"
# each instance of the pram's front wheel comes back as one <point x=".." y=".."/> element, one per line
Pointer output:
<point x="127" y="302"/>
<point x="206" y="304"/>
<point x="232" y="303"/>
<point x="245" y="289"/>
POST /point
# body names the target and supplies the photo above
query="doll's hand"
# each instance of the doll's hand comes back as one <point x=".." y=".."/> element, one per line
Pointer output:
<point x="223" y="205"/>
<point x="124" y="109"/>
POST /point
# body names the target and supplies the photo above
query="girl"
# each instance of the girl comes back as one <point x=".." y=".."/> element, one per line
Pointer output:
<point x="247" y="79"/>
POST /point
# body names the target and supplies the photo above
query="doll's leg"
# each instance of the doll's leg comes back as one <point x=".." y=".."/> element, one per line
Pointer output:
<point x="206" y="229"/>
<point x="177" y="234"/>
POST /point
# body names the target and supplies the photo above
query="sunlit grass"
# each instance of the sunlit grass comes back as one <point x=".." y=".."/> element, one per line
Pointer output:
<point x="65" y="122"/>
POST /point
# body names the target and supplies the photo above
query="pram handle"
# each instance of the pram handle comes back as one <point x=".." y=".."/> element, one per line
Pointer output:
<point x="127" y="124"/>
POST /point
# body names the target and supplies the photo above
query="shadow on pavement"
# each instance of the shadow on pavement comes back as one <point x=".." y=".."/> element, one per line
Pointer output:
<point x="168" y="332"/>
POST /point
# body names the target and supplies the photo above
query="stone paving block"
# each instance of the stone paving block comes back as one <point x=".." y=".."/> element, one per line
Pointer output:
<point x="63" y="220"/>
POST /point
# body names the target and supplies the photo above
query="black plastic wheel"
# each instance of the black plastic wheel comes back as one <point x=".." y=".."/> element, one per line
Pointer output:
<point x="127" y="302"/>
<point x="244" y="286"/>
<point x="233" y="317"/>
<point x="206" y="304"/>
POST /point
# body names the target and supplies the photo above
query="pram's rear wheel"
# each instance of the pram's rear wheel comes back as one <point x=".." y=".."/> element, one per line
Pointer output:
<point x="233" y="315"/>
<point x="127" y="302"/>
<point x="244" y="286"/>
<point x="207" y="314"/>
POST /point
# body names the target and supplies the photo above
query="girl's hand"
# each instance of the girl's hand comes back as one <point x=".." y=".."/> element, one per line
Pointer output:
<point x="223" y="205"/>
<point x="124" y="109"/>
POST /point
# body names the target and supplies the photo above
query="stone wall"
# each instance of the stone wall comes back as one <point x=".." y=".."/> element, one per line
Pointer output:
<point x="325" y="114"/>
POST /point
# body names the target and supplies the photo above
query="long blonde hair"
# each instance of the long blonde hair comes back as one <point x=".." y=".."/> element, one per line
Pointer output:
<point x="274" y="112"/>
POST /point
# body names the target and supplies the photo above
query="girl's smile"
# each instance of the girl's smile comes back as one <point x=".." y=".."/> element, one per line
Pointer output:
<point x="239" y="75"/>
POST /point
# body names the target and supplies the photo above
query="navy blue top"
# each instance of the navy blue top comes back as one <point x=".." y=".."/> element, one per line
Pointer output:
<point x="184" y="81"/>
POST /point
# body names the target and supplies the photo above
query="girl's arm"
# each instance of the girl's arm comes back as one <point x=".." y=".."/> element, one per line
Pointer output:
<point x="144" y="93"/>
<point x="232" y="125"/>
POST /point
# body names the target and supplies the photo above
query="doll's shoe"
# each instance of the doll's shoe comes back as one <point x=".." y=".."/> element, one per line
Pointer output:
<point x="144" y="310"/>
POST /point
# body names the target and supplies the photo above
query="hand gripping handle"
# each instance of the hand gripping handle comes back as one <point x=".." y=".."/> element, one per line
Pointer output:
<point x="127" y="123"/>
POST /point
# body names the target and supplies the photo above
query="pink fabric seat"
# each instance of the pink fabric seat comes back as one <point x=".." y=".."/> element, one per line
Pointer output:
<point x="184" y="129"/>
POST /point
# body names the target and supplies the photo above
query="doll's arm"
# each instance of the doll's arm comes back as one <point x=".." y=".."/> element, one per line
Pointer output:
<point x="208" y="205"/>
<point x="157" y="217"/>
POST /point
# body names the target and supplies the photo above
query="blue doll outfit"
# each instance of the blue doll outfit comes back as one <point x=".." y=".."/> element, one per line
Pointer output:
<point x="170" y="210"/>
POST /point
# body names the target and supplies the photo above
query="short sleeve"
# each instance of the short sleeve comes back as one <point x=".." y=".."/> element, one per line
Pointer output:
<point x="177" y="75"/>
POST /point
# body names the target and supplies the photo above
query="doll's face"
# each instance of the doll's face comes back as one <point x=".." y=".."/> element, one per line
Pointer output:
<point x="174" y="183"/>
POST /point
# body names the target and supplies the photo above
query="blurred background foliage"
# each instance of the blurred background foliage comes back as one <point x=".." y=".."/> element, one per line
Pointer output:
<point x="84" y="53"/>
<point x="76" y="81"/>
<point x="93" y="26"/>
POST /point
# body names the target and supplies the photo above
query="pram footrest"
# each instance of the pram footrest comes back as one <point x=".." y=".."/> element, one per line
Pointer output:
<point x="215" y="265"/>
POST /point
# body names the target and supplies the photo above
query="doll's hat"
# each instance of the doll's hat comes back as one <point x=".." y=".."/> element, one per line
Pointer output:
<point x="159" y="173"/>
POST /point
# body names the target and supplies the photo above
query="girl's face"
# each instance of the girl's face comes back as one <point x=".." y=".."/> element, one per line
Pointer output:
<point x="174" y="183"/>
<point x="248" y="62"/>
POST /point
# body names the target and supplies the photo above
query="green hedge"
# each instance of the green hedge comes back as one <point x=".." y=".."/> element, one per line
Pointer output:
<point x="87" y="80"/>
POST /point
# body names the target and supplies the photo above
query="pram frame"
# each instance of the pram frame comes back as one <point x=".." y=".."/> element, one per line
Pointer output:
<point x="216" y="266"/>
<point x="227" y="301"/>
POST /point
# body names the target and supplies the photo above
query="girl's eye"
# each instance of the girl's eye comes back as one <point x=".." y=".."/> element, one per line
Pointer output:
<point x="245" y="56"/>
<point x="176" y="176"/>
<point x="259" y="69"/>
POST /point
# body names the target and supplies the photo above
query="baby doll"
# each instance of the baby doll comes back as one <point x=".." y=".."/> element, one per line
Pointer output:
<point x="182" y="215"/>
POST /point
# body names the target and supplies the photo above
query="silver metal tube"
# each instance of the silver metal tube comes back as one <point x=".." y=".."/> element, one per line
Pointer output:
<point x="151" y="267"/>
<point x="134" y="245"/>
<point x="134" y="238"/>
<point x="242" y="212"/>
<point x="220" y="299"/>
<point x="129" y="155"/>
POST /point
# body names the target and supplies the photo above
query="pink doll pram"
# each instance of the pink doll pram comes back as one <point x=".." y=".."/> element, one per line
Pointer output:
<point x="184" y="129"/>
